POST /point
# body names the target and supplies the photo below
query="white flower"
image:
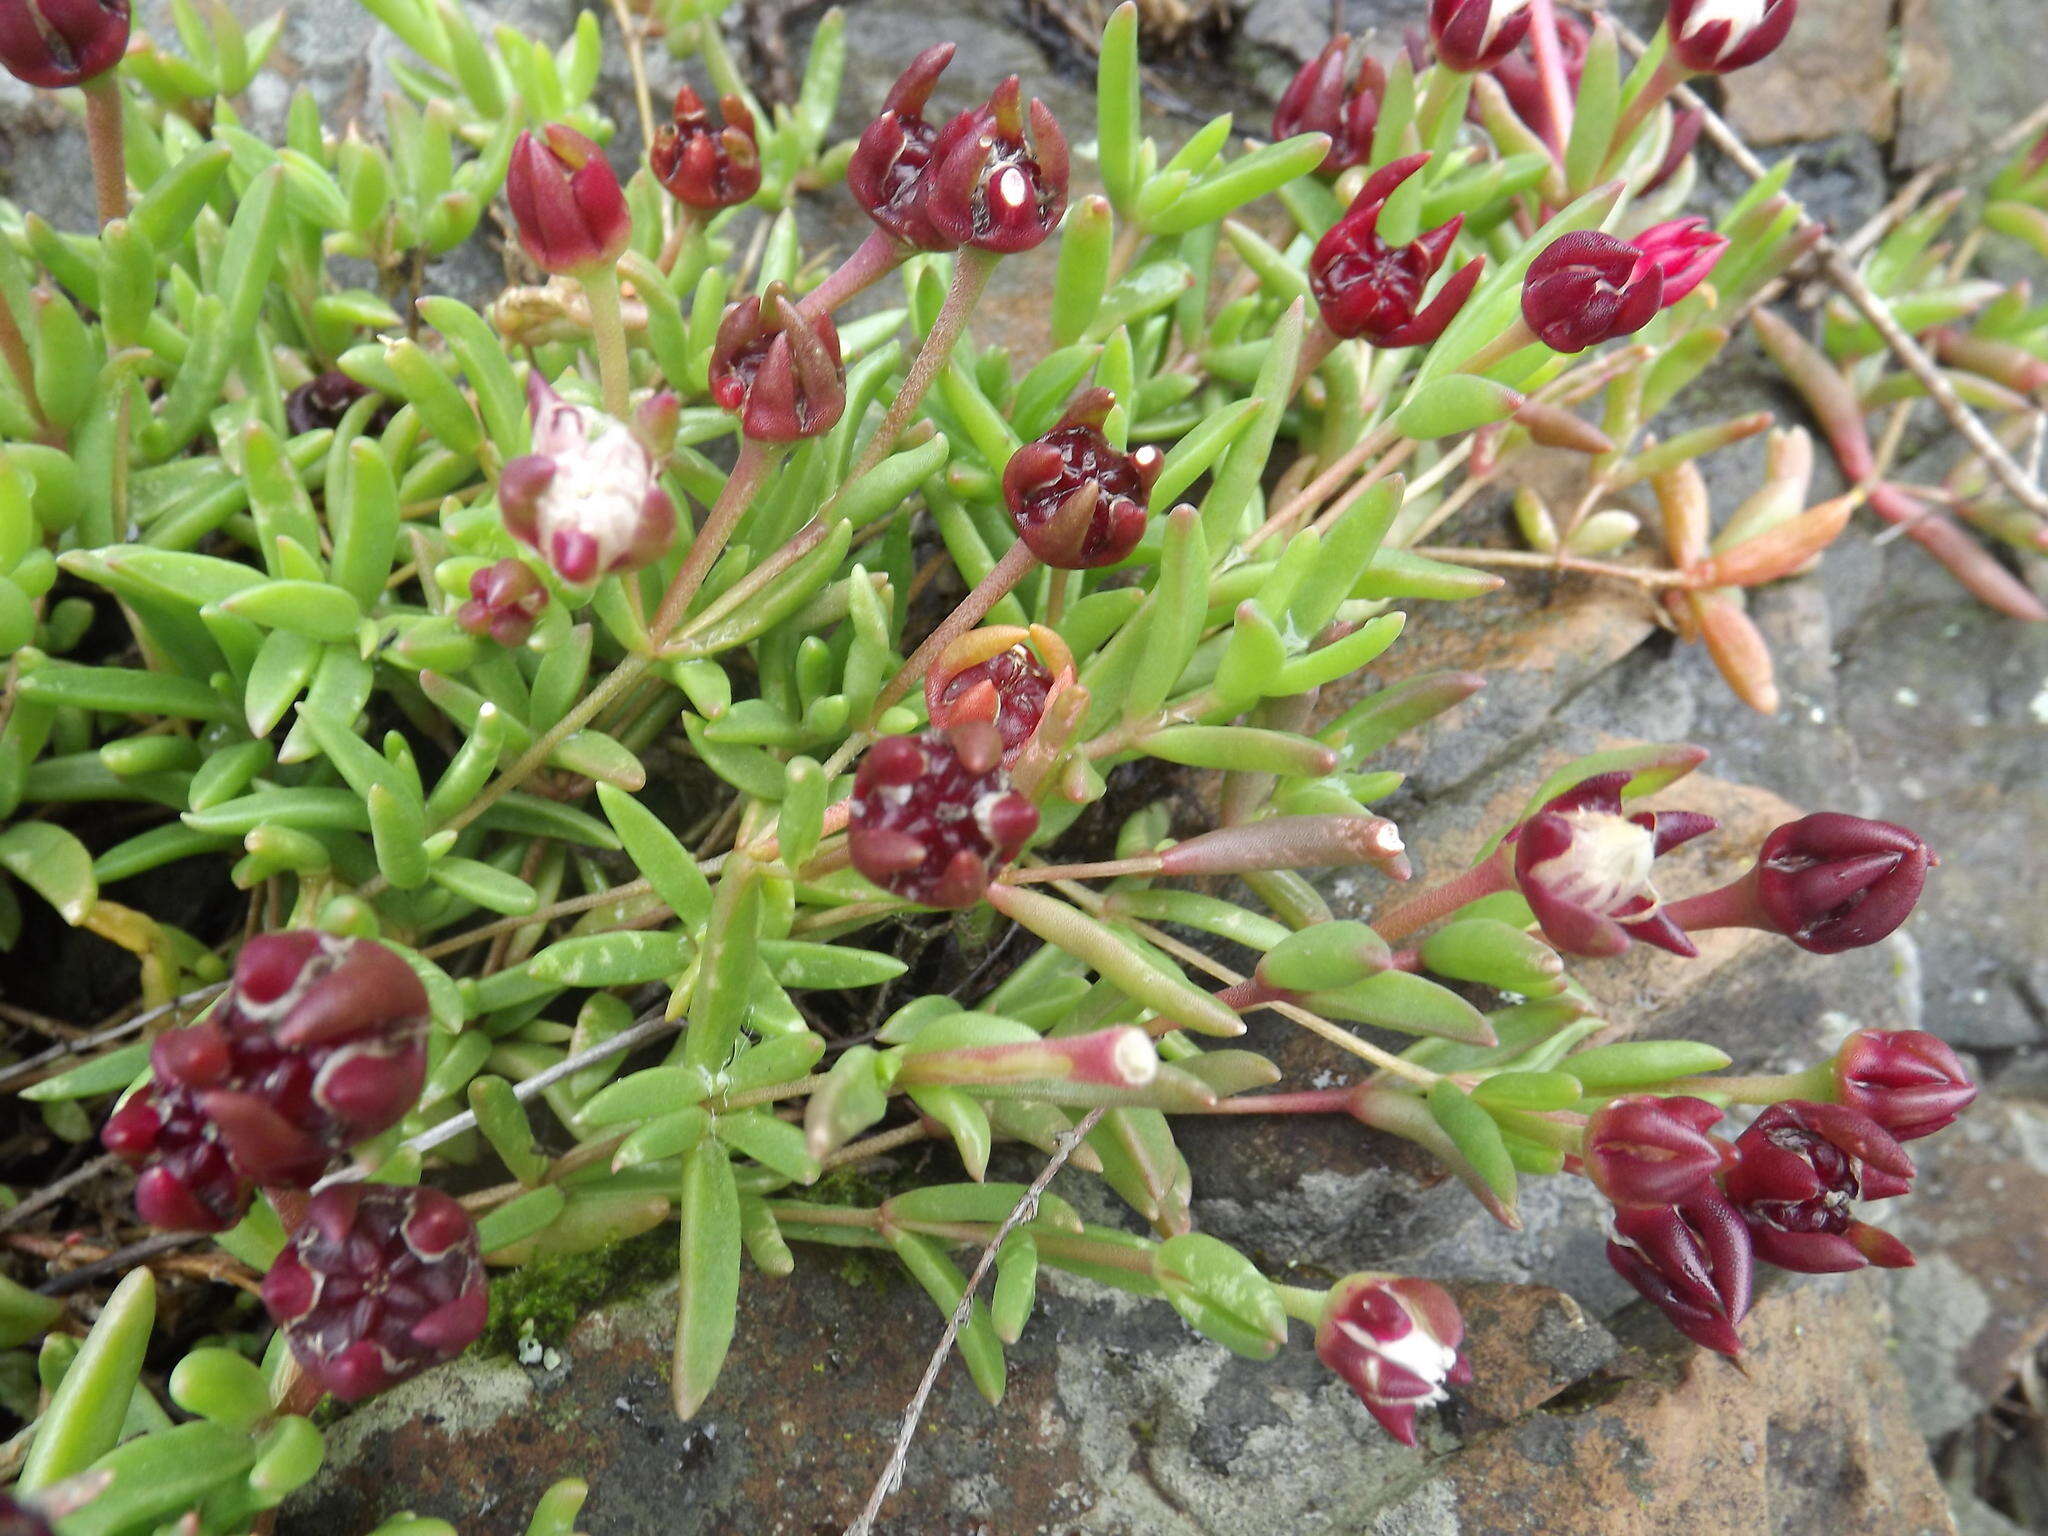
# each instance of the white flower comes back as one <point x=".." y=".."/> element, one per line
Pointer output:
<point x="587" y="496"/>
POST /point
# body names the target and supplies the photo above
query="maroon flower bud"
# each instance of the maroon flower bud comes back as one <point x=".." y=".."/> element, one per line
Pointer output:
<point x="1714" y="37"/>
<point x="586" y="496"/>
<point x="1685" y="251"/>
<point x="777" y="368"/>
<point x="1799" y="1169"/>
<point x="1647" y="1150"/>
<point x="890" y="172"/>
<point x="323" y="400"/>
<point x="934" y="816"/>
<point x="1585" y="869"/>
<point x="504" y="601"/>
<point x="1078" y="502"/>
<point x="1908" y="1081"/>
<point x="704" y="167"/>
<point x="55" y="43"/>
<point x="1522" y="82"/>
<point x="1474" y="35"/>
<point x="994" y="676"/>
<point x="1693" y="1260"/>
<point x="319" y="1044"/>
<point x="992" y="187"/>
<point x="1395" y="1343"/>
<point x="566" y="201"/>
<point x="380" y="1281"/>
<point x="1830" y="882"/>
<point x="1590" y="287"/>
<point x="1317" y="100"/>
<point x="1368" y="288"/>
<point x="187" y="1183"/>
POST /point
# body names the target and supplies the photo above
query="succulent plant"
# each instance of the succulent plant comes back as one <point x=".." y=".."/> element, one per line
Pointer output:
<point x="585" y="692"/>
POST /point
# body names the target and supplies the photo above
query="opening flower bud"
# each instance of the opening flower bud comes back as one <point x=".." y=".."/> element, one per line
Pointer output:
<point x="1800" y="1168"/>
<point x="933" y="817"/>
<point x="995" y="675"/>
<point x="1585" y="869"/>
<point x="58" y="43"/>
<point x="1368" y="289"/>
<point x="890" y="172"/>
<point x="1685" y="251"/>
<point x="992" y="186"/>
<point x="1395" y="1343"/>
<point x="1475" y="35"/>
<point x="587" y="496"/>
<point x="1077" y="501"/>
<point x="1319" y="100"/>
<point x="379" y="1282"/>
<point x="1715" y="37"/>
<point x="704" y="167"/>
<point x="323" y="400"/>
<point x="778" y="368"/>
<point x="1908" y="1081"/>
<point x="566" y="201"/>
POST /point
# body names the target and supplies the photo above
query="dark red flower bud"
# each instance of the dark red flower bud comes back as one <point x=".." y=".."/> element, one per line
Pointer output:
<point x="1830" y="882"/>
<point x="1693" y="1260"/>
<point x="380" y="1281"/>
<point x="1590" y="287"/>
<point x="1367" y="288"/>
<point x="1908" y="1081"/>
<point x="1800" y="1168"/>
<point x="1395" y="1343"/>
<point x="704" y="167"/>
<point x="1475" y="35"/>
<point x="995" y="676"/>
<point x="1076" y="500"/>
<point x="992" y="186"/>
<point x="55" y="43"/>
<point x="934" y="816"/>
<point x="1585" y="869"/>
<point x="324" y="399"/>
<point x="504" y="601"/>
<point x="777" y="368"/>
<point x="1685" y="251"/>
<point x="890" y="172"/>
<point x="566" y="201"/>
<point x="1714" y="37"/>
<point x="187" y="1183"/>
<point x="319" y="1044"/>
<point x="1647" y="1150"/>
<point x="1319" y="100"/>
<point x="1522" y="82"/>
<point x="17" y="1519"/>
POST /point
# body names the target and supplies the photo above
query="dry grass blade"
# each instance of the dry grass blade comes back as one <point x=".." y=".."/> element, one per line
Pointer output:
<point x="892" y="1474"/>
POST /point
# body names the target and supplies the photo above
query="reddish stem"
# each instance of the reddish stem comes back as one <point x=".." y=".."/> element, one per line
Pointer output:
<point x="1734" y="905"/>
<point x="1425" y="907"/>
<point x="872" y="260"/>
<point x="1015" y="565"/>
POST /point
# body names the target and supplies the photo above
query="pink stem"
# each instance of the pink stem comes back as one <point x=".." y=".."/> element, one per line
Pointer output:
<point x="748" y="471"/>
<point x="1557" y="90"/>
<point x="872" y="260"/>
<point x="970" y="277"/>
<point x="1734" y="905"/>
<point x="1425" y="907"/>
<point x="1311" y="1101"/>
<point x="1974" y="566"/>
<point x="1015" y="565"/>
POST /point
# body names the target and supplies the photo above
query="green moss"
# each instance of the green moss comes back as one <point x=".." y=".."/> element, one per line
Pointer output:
<point x="555" y="1294"/>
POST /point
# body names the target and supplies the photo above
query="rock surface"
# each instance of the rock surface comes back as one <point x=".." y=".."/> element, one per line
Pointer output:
<point x="1904" y="700"/>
